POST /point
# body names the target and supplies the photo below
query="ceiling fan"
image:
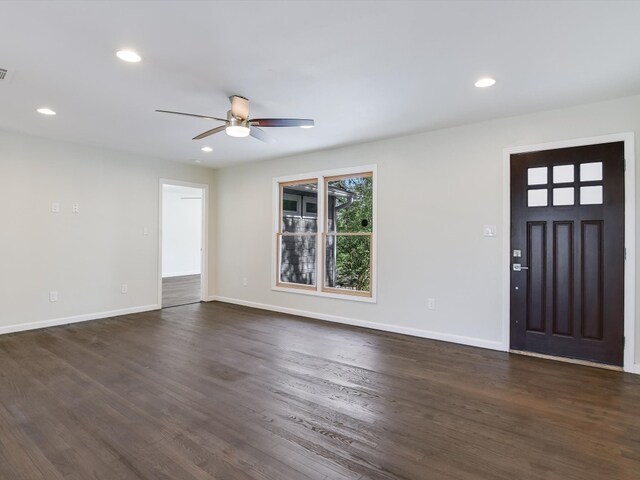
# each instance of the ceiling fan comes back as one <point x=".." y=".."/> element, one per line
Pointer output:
<point x="238" y="123"/>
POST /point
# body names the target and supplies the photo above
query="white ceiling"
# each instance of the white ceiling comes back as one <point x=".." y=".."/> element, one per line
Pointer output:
<point x="362" y="70"/>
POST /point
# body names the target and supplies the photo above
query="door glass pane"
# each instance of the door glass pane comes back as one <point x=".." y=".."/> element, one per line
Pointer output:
<point x="298" y="259"/>
<point x="591" y="195"/>
<point x="537" y="198"/>
<point x="563" y="173"/>
<point x="348" y="262"/>
<point x="350" y="204"/>
<point x="590" y="172"/>
<point x="295" y="208"/>
<point x="537" y="176"/>
<point x="563" y="196"/>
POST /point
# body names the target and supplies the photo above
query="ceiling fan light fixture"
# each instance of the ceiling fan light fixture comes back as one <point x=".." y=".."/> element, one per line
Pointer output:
<point x="238" y="131"/>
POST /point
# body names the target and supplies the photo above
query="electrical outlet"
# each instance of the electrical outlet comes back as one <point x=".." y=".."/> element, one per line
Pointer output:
<point x="53" y="296"/>
<point x="245" y="282"/>
<point x="124" y="289"/>
<point x="75" y="208"/>
<point x="431" y="303"/>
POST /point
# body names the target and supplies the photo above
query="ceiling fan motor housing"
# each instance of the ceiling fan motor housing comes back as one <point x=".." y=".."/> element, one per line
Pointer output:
<point x="236" y="122"/>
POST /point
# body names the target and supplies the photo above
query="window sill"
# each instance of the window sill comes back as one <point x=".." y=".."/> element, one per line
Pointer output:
<point x="316" y="293"/>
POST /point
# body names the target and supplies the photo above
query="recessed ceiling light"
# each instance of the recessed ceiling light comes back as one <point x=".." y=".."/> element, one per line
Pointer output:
<point x="197" y="160"/>
<point x="306" y="126"/>
<point x="46" y="111"/>
<point x="207" y="149"/>
<point x="128" y="56"/>
<point x="485" y="82"/>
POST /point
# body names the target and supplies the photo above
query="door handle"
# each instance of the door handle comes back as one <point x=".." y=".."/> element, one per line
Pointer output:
<point x="517" y="267"/>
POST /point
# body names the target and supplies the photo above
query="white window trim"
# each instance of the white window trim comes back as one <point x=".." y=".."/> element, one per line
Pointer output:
<point x="275" y="209"/>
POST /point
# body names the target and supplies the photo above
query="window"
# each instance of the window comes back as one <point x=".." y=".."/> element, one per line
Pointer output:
<point x="347" y="233"/>
<point x="325" y="234"/>
<point x="291" y="205"/>
<point x="310" y="207"/>
<point x="565" y="185"/>
<point x="297" y="237"/>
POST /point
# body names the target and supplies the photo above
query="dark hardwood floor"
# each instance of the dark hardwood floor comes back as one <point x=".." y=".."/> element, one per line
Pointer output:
<point x="180" y="290"/>
<point x="214" y="391"/>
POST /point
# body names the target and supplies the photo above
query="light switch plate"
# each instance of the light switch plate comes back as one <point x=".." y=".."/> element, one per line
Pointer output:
<point x="55" y="207"/>
<point x="489" y="230"/>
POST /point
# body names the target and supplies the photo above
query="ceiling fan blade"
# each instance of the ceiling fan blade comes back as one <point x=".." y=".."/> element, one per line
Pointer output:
<point x="192" y="115"/>
<point x="239" y="107"/>
<point x="261" y="135"/>
<point x="282" y="122"/>
<point x="210" y="132"/>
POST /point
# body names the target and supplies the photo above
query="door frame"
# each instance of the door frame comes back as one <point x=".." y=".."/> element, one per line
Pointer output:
<point x="629" y="234"/>
<point x="204" y="256"/>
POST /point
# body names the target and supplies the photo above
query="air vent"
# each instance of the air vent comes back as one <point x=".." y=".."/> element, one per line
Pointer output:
<point x="6" y="76"/>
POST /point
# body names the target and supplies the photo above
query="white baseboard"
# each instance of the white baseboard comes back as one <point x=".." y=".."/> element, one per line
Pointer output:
<point x="414" y="332"/>
<point x="181" y="274"/>
<point x="21" y="327"/>
<point x="634" y="369"/>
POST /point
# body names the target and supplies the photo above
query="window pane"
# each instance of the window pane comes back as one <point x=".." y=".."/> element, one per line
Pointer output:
<point x="350" y="205"/>
<point x="537" y="176"/>
<point x="563" y="196"/>
<point x="348" y="262"/>
<point x="537" y="198"/>
<point x="298" y="259"/>
<point x="591" y="195"/>
<point x="290" y="205"/>
<point x="591" y="172"/>
<point x="296" y="200"/>
<point x="309" y="206"/>
<point x="563" y="174"/>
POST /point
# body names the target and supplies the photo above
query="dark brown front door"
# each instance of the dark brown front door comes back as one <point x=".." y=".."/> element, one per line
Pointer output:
<point x="567" y="252"/>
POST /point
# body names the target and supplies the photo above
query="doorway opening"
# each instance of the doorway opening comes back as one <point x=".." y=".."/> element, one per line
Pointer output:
<point x="182" y="243"/>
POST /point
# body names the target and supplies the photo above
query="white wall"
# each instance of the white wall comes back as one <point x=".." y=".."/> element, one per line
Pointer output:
<point x="181" y="230"/>
<point x="435" y="192"/>
<point x="85" y="257"/>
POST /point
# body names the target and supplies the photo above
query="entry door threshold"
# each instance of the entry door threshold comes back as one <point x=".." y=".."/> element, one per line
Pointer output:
<point x="575" y="361"/>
